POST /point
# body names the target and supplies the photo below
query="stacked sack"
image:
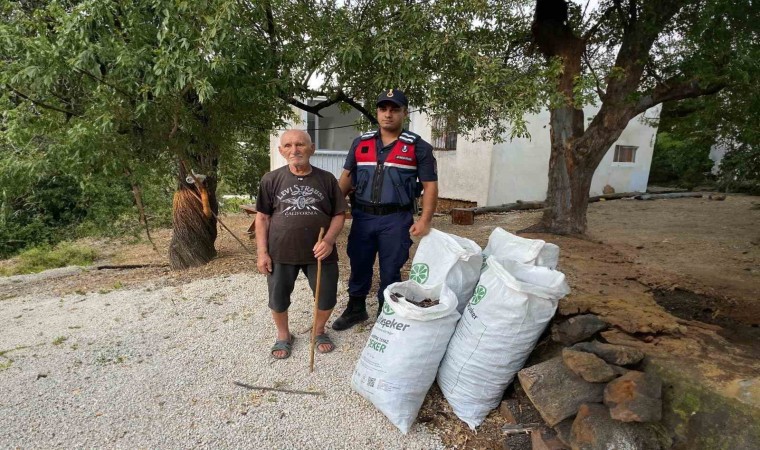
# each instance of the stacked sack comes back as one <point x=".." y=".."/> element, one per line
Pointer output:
<point x="446" y="258"/>
<point x="506" y="304"/>
<point x="399" y="363"/>
<point x="513" y="303"/>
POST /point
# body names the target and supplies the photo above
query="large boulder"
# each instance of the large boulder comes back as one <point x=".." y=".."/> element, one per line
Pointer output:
<point x="588" y="366"/>
<point x="594" y="429"/>
<point x="635" y="397"/>
<point x="620" y="355"/>
<point x="578" y="328"/>
<point x="556" y="391"/>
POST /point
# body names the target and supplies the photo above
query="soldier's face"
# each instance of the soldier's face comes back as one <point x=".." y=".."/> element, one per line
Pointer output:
<point x="296" y="147"/>
<point x="391" y="116"/>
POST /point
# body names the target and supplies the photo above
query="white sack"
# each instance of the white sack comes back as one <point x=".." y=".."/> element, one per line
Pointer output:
<point x="512" y="305"/>
<point x="399" y="362"/>
<point x="535" y="252"/>
<point x="450" y="259"/>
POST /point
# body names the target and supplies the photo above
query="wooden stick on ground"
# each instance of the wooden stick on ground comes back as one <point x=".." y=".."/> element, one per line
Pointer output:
<point x="266" y="388"/>
<point x="316" y="304"/>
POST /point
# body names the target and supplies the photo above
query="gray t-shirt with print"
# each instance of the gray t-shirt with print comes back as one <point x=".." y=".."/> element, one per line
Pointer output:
<point x="299" y="206"/>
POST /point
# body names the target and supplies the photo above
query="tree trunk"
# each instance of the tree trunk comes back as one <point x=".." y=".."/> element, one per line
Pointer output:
<point x="569" y="176"/>
<point x="194" y="230"/>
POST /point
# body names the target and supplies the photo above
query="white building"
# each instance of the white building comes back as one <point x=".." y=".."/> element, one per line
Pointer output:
<point x="485" y="172"/>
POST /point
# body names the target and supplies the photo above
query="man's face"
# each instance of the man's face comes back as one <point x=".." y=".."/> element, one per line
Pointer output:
<point x="391" y="116"/>
<point x="296" y="147"/>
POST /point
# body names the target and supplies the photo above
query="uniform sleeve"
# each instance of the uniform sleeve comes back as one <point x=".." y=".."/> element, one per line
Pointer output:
<point x="264" y="199"/>
<point x="427" y="169"/>
<point x="350" y="163"/>
<point x="338" y="200"/>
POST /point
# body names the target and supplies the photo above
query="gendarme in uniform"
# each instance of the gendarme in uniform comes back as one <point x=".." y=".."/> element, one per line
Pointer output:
<point x="386" y="178"/>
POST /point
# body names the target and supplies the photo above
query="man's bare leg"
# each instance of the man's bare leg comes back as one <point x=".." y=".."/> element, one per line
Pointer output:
<point x="283" y="331"/>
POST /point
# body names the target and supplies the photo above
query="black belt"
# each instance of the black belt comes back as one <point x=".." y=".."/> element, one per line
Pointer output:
<point x="381" y="210"/>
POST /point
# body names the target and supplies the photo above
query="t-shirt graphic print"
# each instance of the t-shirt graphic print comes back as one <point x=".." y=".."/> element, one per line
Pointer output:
<point x="298" y="205"/>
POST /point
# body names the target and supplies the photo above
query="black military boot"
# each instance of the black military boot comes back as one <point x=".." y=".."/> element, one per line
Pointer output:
<point x="356" y="312"/>
<point x="380" y="303"/>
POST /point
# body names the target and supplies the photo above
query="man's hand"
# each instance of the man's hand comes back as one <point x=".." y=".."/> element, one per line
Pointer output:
<point x="420" y="228"/>
<point x="264" y="263"/>
<point x="323" y="249"/>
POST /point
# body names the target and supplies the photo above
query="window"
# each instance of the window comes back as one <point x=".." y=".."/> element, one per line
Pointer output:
<point x="312" y="123"/>
<point x="625" y="154"/>
<point x="444" y="134"/>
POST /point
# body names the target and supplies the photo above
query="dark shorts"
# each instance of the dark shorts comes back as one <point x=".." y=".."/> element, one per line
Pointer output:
<point x="283" y="278"/>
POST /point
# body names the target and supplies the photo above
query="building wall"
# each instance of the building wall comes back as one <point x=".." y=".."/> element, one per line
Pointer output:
<point x="463" y="174"/>
<point x="629" y="177"/>
<point x="518" y="169"/>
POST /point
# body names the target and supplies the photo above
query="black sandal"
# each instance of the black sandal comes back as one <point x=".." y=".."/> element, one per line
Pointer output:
<point x="286" y="346"/>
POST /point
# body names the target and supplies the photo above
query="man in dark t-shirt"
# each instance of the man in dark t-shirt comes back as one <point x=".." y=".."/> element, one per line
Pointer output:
<point x="293" y="203"/>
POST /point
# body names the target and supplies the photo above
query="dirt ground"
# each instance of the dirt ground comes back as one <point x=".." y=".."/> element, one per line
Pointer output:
<point x="652" y="269"/>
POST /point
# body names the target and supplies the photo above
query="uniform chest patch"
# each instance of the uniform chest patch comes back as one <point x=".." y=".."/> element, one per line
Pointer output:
<point x="404" y="158"/>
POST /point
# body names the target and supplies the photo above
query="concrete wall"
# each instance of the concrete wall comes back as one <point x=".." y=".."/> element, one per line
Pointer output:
<point x="629" y="177"/>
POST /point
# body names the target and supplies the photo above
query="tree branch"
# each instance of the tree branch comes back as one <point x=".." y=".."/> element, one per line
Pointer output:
<point x="339" y="97"/>
<point x="670" y="91"/>
<point x="100" y="80"/>
<point x="595" y="27"/>
<point x="599" y="90"/>
<point x="42" y="104"/>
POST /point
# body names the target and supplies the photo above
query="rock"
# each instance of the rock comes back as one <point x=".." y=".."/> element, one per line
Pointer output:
<point x="556" y="391"/>
<point x="588" y="366"/>
<point x="718" y="197"/>
<point x="563" y="430"/>
<point x="505" y="409"/>
<point x="620" y="355"/>
<point x="619" y="370"/>
<point x="594" y="429"/>
<point x="546" y="440"/>
<point x="578" y="328"/>
<point x="635" y="397"/>
<point x="608" y="190"/>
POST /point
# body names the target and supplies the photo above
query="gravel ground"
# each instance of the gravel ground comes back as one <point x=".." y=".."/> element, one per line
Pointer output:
<point x="154" y="366"/>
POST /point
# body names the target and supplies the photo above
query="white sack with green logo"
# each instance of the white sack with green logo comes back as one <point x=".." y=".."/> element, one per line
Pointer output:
<point x="399" y="362"/>
<point x="450" y="259"/>
<point x="535" y="252"/>
<point x="512" y="305"/>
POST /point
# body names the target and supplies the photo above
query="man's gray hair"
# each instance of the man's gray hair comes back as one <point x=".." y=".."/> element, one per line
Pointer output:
<point x="295" y="130"/>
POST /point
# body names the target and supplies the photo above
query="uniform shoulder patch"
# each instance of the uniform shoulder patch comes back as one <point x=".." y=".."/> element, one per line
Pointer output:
<point x="368" y="135"/>
<point x="409" y="137"/>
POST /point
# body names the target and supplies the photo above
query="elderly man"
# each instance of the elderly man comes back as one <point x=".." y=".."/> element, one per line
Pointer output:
<point x="294" y="201"/>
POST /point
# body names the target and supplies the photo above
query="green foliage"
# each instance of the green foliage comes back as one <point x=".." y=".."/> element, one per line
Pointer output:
<point x="45" y="257"/>
<point x="679" y="162"/>
<point x="740" y="170"/>
<point x="681" y="151"/>
<point x="232" y="205"/>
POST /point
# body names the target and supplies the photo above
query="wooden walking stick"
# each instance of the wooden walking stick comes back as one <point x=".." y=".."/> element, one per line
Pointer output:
<point x="316" y="303"/>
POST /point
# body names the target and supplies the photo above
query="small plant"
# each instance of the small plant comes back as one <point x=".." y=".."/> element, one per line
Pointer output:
<point x="59" y="340"/>
<point x="42" y="258"/>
